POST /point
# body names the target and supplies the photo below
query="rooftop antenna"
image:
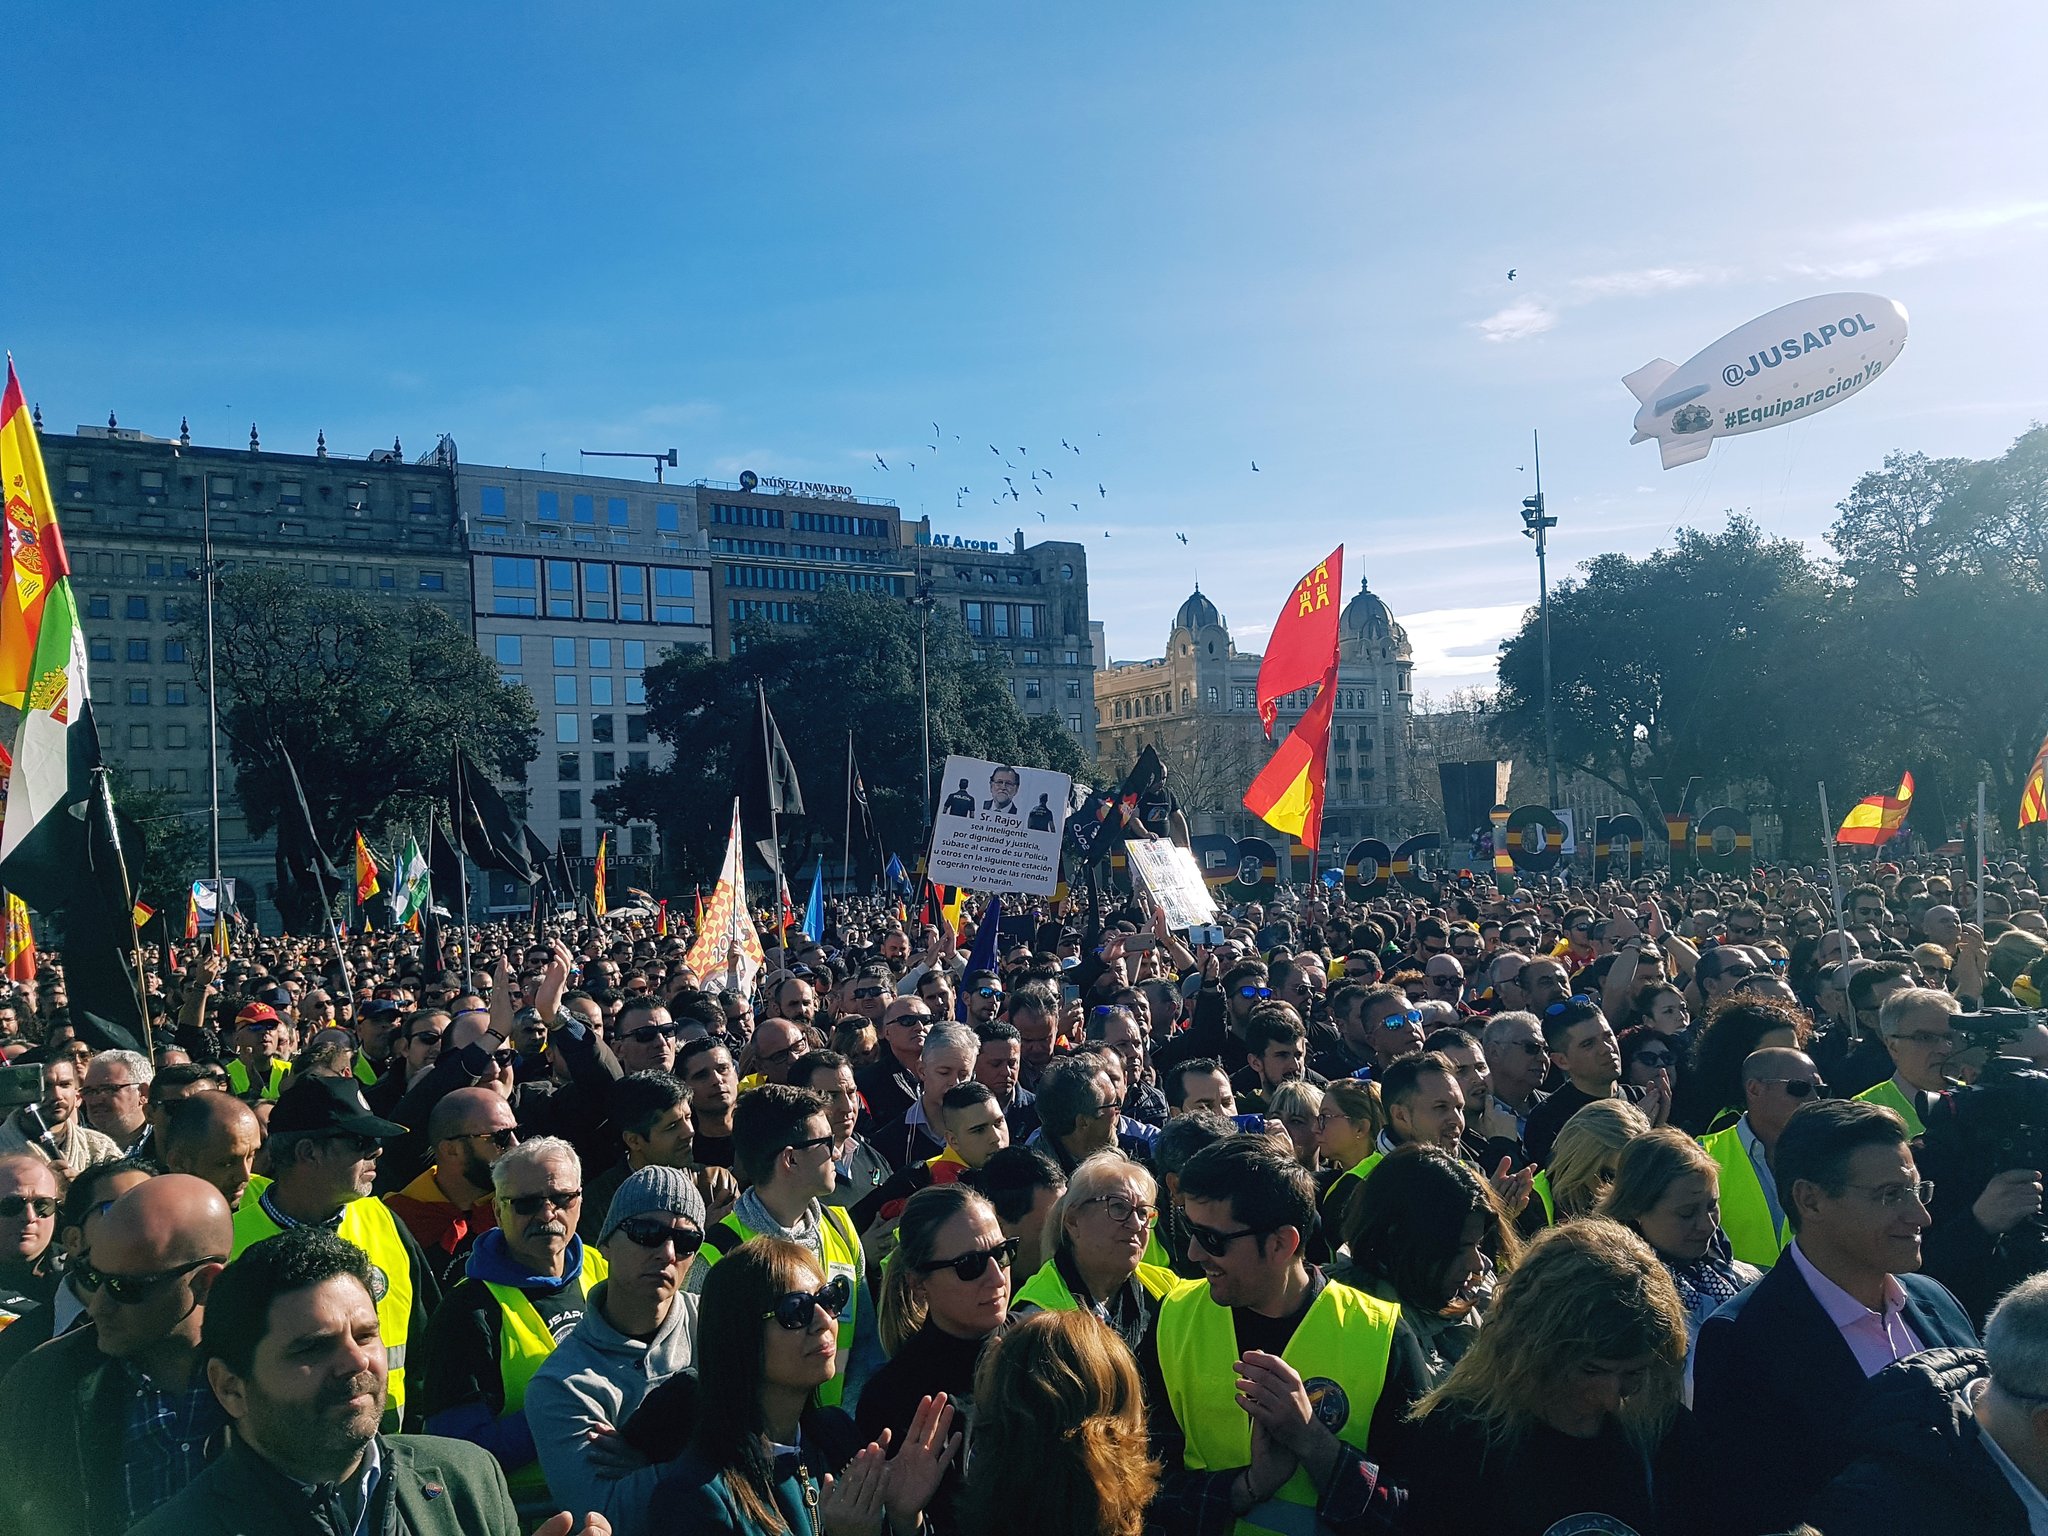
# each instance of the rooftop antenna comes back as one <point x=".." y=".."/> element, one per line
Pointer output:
<point x="660" y="459"/>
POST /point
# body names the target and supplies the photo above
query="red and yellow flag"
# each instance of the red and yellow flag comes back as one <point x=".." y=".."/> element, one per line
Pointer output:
<point x="18" y="939"/>
<point x="142" y="913"/>
<point x="1288" y="793"/>
<point x="366" y="871"/>
<point x="191" y="914"/>
<point x="2034" y="798"/>
<point x="661" y="919"/>
<point x="1303" y="646"/>
<point x="1872" y="820"/>
<point x="597" y="893"/>
<point x="29" y="531"/>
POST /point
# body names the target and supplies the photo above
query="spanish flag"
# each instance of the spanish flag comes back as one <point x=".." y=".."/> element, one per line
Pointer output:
<point x="1872" y="820"/>
<point x="366" y="871"/>
<point x="2034" y="798"/>
<point x="597" y="900"/>
<point x="661" y="919"/>
<point x="141" y="914"/>
<point x="192" y="915"/>
<point x="18" y="940"/>
<point x="30" y="533"/>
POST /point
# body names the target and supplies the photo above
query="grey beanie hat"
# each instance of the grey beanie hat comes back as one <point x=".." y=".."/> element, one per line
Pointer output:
<point x="655" y="1191"/>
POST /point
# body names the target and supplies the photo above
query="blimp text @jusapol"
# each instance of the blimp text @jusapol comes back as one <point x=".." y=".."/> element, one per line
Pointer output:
<point x="1794" y="346"/>
<point x="1749" y="415"/>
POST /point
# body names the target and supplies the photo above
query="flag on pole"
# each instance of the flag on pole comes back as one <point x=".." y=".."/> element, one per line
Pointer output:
<point x="723" y="923"/>
<point x="949" y="908"/>
<point x="413" y="886"/>
<point x="661" y="918"/>
<point x="142" y="913"/>
<point x="192" y="914"/>
<point x="787" y="915"/>
<point x="2034" y="798"/>
<point x="697" y="919"/>
<point x="1287" y="794"/>
<point x="366" y="871"/>
<point x="1873" y="819"/>
<point x="29" y="537"/>
<point x="597" y="900"/>
<point x="814" y="909"/>
<point x="19" y="941"/>
<point x="1302" y="649"/>
<point x="982" y="957"/>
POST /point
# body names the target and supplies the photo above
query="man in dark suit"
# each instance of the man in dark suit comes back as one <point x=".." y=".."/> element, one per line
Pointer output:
<point x="1777" y="1371"/>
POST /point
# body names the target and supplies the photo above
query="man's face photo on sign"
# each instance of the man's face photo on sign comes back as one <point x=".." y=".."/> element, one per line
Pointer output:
<point x="1003" y="785"/>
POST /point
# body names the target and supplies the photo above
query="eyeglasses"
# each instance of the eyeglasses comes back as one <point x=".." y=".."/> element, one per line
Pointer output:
<point x="795" y="1309"/>
<point x="1925" y="1037"/>
<point x="650" y="1232"/>
<point x="1575" y="1000"/>
<point x="867" y="992"/>
<point x="1465" y="951"/>
<point x="1891" y="1197"/>
<point x="647" y="1034"/>
<point x="14" y="1207"/>
<point x="811" y="1141"/>
<point x="104" y="1090"/>
<point x="1123" y="1210"/>
<point x="505" y="1056"/>
<point x="909" y="1021"/>
<point x="1800" y="1087"/>
<point x="530" y="1205"/>
<point x="986" y="992"/>
<point x="1412" y="1016"/>
<point x="504" y="1140"/>
<point x="424" y="1037"/>
<point x="971" y="1266"/>
<point x="1250" y="991"/>
<point x="1655" y="1058"/>
<point x="131" y="1290"/>
<point x="1216" y="1244"/>
<point x="363" y="1146"/>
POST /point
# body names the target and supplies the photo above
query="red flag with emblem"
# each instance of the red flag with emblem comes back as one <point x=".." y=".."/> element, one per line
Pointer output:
<point x="1302" y="648"/>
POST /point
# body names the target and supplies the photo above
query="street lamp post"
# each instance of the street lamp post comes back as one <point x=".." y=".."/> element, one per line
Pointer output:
<point x="1536" y="524"/>
<point x="924" y="602"/>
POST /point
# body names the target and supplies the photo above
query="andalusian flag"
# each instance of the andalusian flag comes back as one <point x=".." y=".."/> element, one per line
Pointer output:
<point x="597" y="892"/>
<point x="1872" y="820"/>
<point x="366" y="871"/>
<point x="414" y="889"/>
<point x="31" y="554"/>
<point x="18" y="941"/>
<point x="2034" y="798"/>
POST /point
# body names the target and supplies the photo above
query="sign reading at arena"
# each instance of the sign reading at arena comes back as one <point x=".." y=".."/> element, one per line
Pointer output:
<point x="998" y="827"/>
<point x="1171" y="877"/>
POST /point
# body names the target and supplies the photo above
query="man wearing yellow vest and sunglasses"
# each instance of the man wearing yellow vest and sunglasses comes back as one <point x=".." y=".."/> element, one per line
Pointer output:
<point x="529" y="1279"/>
<point x="1273" y="1389"/>
<point x="324" y="1145"/>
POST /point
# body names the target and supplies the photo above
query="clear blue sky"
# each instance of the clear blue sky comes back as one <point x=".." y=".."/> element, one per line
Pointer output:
<point x="1184" y="237"/>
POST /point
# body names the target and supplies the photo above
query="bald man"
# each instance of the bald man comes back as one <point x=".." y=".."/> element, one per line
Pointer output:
<point x="215" y="1137"/>
<point x="73" y="1453"/>
<point x="1776" y="1082"/>
<point x="448" y="1205"/>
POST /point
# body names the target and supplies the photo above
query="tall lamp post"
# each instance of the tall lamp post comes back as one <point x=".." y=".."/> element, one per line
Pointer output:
<point x="209" y="570"/>
<point x="1536" y="524"/>
<point x="924" y="602"/>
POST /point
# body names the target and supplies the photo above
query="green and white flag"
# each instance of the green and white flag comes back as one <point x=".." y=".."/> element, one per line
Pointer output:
<point x="412" y="889"/>
<point x="42" y="837"/>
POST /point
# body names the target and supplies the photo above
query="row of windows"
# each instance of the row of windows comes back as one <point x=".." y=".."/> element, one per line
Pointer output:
<point x="583" y="509"/>
<point x="510" y="651"/>
<point x="100" y="605"/>
<point x="746" y="517"/>
<point x="999" y="621"/>
<point x="603" y="728"/>
<point x="636" y="842"/>
<point x="142" y="692"/>
<point x="740" y="609"/>
<point x="225" y="488"/>
<point x="841" y="554"/>
<point x="100" y="648"/>
<point x="836" y="522"/>
<point x="593" y="589"/>
<point x="784" y="578"/>
<point x="766" y="547"/>
<point x="604" y="767"/>
<point x="601" y="689"/>
<point x="1034" y="688"/>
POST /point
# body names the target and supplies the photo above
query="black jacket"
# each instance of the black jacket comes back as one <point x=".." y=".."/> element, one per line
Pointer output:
<point x="1774" y="1388"/>
<point x="1921" y="1463"/>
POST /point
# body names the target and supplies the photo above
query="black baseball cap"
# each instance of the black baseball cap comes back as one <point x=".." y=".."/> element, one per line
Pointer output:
<point x="329" y="1104"/>
<point x="381" y="1008"/>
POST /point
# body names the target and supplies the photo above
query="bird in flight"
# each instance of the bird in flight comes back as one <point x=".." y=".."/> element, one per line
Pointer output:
<point x="880" y="460"/>
<point x="1255" y="466"/>
<point x="1511" y="273"/>
<point x="1099" y="490"/>
<point x="1182" y="537"/>
<point x="992" y="448"/>
<point x="1068" y="446"/>
<point x="1023" y="453"/>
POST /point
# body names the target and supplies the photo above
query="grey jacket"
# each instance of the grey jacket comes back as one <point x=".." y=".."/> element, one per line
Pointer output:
<point x="595" y="1379"/>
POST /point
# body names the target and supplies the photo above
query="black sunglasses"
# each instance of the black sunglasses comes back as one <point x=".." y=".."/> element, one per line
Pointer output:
<point x="649" y="1232"/>
<point x="1803" y="1088"/>
<point x="647" y="1034"/>
<point x="973" y="1265"/>
<point x="794" y="1309"/>
<point x="504" y="1140"/>
<point x="1215" y="1243"/>
<point x="530" y="1205"/>
<point x="1251" y="991"/>
<point x="131" y="1290"/>
<point x="1655" y="1058"/>
<point x="867" y="992"/>
<point x="14" y="1207"/>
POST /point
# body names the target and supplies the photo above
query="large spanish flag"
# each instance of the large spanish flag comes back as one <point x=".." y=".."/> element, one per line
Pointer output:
<point x="1872" y="820"/>
<point x="1288" y="793"/>
<point x="1303" y="645"/>
<point x="2034" y="798"/>
<point x="597" y="901"/>
<point x="366" y="871"/>
<point x="29" y="533"/>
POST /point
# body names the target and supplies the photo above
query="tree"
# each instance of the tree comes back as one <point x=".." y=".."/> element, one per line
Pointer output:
<point x="368" y="698"/>
<point x="176" y="848"/>
<point x="853" y="667"/>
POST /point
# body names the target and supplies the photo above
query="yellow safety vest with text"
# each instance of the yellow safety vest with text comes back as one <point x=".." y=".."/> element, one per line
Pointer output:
<point x="840" y="1252"/>
<point x="1341" y="1350"/>
<point x="369" y="1224"/>
<point x="1745" y="1210"/>
<point x="524" y="1341"/>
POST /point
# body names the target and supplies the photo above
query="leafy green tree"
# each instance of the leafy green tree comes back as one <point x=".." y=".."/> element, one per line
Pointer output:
<point x="176" y="846"/>
<point x="368" y="698"/>
<point x="853" y="668"/>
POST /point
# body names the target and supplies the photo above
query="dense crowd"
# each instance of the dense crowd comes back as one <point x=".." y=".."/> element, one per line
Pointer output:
<point x="1560" y="1209"/>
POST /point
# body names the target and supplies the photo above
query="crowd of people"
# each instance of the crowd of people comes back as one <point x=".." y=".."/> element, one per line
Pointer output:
<point x="1554" y="1209"/>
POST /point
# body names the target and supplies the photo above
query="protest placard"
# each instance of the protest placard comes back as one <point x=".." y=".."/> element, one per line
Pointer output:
<point x="998" y="827"/>
<point x="1170" y="876"/>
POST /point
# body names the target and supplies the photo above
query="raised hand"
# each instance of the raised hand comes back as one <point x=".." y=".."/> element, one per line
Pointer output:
<point x="851" y="1503"/>
<point x="918" y="1466"/>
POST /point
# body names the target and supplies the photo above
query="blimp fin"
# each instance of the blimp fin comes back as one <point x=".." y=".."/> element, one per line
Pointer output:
<point x="1683" y="450"/>
<point x="1644" y="382"/>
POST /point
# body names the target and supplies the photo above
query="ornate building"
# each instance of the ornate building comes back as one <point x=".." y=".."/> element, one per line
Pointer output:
<point x="1197" y="705"/>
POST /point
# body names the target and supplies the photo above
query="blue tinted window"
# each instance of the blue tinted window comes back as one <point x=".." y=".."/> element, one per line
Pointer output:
<point x="668" y="517"/>
<point x="584" y="509"/>
<point x="550" y="506"/>
<point x="494" y="501"/>
<point x="615" y="511"/>
<point x="508" y="650"/>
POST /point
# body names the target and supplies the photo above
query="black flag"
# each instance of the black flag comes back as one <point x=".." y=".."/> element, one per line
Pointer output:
<point x="489" y="833"/>
<point x="303" y="846"/>
<point x="538" y="856"/>
<point x="767" y="780"/>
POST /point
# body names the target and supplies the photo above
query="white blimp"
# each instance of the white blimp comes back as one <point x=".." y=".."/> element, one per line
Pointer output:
<point x="1792" y="363"/>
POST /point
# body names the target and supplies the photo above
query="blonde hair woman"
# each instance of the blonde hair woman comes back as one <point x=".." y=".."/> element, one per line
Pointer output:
<point x="1667" y="1190"/>
<point x="1296" y="1105"/>
<point x="1582" y="1158"/>
<point x="1095" y="1238"/>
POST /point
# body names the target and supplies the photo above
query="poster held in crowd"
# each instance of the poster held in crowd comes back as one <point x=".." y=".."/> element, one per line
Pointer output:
<point x="1171" y="877"/>
<point x="999" y="827"/>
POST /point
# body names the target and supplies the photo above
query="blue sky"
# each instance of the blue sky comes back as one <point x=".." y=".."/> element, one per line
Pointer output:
<point x="1183" y="237"/>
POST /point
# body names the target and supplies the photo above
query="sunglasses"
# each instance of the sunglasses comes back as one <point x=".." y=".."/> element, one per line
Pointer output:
<point x="504" y="1140"/>
<point x="14" y="1207"/>
<point x="648" y="1232"/>
<point x="130" y="1290"/>
<point x="505" y="1056"/>
<point x="530" y="1205"/>
<point x="867" y="992"/>
<point x="811" y="1141"/>
<point x="647" y="1034"/>
<point x="1254" y="991"/>
<point x="983" y="992"/>
<point x="1655" y="1058"/>
<point x="424" y="1037"/>
<point x="1800" y="1087"/>
<point x="1215" y="1243"/>
<point x="795" y="1309"/>
<point x="1556" y="1008"/>
<point x="973" y="1265"/>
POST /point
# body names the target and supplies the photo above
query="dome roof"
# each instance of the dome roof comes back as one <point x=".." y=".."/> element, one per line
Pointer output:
<point x="1368" y="619"/>
<point x="1197" y="612"/>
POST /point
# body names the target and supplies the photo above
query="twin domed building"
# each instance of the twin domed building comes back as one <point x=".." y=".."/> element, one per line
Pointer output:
<point x="1197" y="705"/>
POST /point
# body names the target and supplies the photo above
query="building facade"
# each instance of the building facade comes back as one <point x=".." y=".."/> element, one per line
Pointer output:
<point x="582" y="582"/>
<point x="130" y="506"/>
<point x="772" y="541"/>
<point x="1197" y="705"/>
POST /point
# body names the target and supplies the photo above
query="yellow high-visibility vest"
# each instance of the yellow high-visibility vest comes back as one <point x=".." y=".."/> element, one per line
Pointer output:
<point x="1745" y="1210"/>
<point x="841" y="1254"/>
<point x="524" y="1341"/>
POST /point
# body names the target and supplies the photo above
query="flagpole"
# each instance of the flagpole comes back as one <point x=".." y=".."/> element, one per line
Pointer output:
<point x="846" y="844"/>
<point x="106" y="810"/>
<point x="774" y="800"/>
<point x="1827" y="836"/>
<point x="461" y="870"/>
<point x="1983" y="856"/>
<point x="206" y="576"/>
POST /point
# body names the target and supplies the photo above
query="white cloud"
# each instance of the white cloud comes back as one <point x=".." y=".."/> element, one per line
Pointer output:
<point x="1642" y="281"/>
<point x="1518" y="322"/>
<point x="1454" y="647"/>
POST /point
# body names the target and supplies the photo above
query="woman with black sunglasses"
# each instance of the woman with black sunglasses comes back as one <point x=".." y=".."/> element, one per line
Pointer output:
<point x="770" y="1461"/>
<point x="945" y="1292"/>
